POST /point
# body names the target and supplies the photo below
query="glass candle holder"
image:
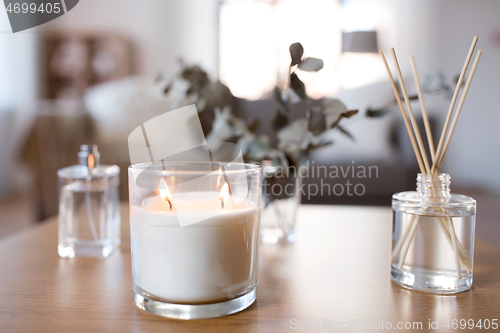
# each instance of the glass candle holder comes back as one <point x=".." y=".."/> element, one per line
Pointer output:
<point x="433" y="237"/>
<point x="194" y="237"/>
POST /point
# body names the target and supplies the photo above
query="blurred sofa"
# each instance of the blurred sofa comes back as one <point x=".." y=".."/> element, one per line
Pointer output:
<point x="380" y="143"/>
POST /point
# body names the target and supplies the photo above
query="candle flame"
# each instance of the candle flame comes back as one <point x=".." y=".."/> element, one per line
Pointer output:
<point x="165" y="192"/>
<point x="224" y="194"/>
<point x="91" y="161"/>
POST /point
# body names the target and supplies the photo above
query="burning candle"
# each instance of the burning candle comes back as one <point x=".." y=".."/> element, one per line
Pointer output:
<point x="212" y="261"/>
<point x="224" y="194"/>
<point x="165" y="193"/>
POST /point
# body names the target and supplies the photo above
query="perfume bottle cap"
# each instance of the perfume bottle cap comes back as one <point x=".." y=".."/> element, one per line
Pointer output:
<point x="90" y="159"/>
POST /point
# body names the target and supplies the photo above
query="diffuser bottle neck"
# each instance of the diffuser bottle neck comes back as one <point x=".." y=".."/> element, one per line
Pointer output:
<point x="434" y="187"/>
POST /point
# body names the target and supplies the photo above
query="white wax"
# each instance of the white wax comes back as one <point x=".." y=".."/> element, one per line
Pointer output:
<point x="208" y="261"/>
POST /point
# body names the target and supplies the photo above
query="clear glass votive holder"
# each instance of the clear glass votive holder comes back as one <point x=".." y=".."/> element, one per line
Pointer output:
<point x="280" y="201"/>
<point x="433" y="237"/>
<point x="194" y="237"/>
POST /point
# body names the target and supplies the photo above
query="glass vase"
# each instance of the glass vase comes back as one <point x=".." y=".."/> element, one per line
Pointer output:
<point x="280" y="200"/>
<point x="433" y="237"/>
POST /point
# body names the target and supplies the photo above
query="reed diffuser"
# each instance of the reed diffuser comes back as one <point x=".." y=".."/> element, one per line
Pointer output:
<point x="433" y="229"/>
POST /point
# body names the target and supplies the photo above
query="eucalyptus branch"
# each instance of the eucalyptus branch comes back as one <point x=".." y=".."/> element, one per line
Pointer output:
<point x="295" y="137"/>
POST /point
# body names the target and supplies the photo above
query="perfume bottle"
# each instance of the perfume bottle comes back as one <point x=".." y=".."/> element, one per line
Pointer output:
<point x="433" y="237"/>
<point x="89" y="215"/>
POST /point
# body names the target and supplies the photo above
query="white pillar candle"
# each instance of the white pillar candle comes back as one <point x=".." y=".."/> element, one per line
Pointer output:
<point x="213" y="260"/>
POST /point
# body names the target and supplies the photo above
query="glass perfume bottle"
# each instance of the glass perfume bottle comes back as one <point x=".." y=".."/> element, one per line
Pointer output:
<point x="89" y="215"/>
<point x="433" y="237"/>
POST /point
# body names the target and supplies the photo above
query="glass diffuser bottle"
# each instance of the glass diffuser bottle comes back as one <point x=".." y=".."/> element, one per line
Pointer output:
<point x="433" y="237"/>
<point x="433" y="230"/>
<point x="89" y="215"/>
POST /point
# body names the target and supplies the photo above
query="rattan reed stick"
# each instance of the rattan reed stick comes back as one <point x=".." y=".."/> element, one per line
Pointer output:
<point x="427" y="126"/>
<point x="410" y="112"/>
<point x="405" y="118"/>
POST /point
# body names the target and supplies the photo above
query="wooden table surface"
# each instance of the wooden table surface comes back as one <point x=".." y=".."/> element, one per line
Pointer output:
<point x="336" y="273"/>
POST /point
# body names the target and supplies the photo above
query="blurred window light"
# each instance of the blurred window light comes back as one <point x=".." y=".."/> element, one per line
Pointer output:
<point x="247" y="52"/>
<point x="254" y="40"/>
<point x="360" y="69"/>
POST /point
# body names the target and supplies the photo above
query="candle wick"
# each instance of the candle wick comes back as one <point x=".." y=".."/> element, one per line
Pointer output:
<point x="169" y="203"/>
<point x="221" y="203"/>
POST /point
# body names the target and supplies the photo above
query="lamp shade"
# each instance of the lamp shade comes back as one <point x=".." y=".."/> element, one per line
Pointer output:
<point x="359" y="41"/>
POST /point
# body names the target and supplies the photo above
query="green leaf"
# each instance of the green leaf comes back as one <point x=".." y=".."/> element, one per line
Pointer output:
<point x="298" y="86"/>
<point x="195" y="75"/>
<point x="333" y="109"/>
<point x="346" y="114"/>
<point x="253" y="124"/>
<point x="216" y="94"/>
<point x="376" y="113"/>
<point x="258" y="148"/>
<point x="278" y="96"/>
<point x="320" y="145"/>
<point x="324" y="144"/>
<point x="311" y="64"/>
<point x="344" y="131"/>
<point x="281" y="159"/>
<point x="167" y="88"/>
<point x="290" y="97"/>
<point x="316" y="121"/>
<point x="296" y="52"/>
<point x="302" y="160"/>
<point x="349" y="113"/>
<point x="332" y="105"/>
<point x="222" y="130"/>
<point x="292" y="137"/>
<point x="279" y="120"/>
<point x="278" y="157"/>
<point x="244" y="143"/>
